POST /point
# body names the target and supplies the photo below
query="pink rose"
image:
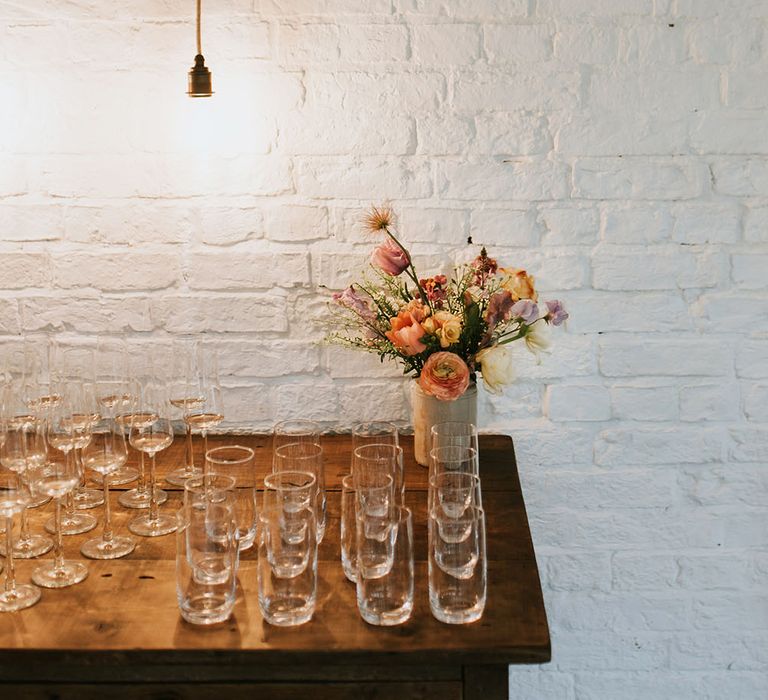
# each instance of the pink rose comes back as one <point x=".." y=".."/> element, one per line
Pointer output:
<point x="390" y="258"/>
<point x="406" y="333"/>
<point x="445" y="376"/>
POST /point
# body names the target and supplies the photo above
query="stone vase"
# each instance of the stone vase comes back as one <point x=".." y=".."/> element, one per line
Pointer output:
<point x="427" y="411"/>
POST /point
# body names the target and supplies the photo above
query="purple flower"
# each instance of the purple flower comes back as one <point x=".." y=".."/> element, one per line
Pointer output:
<point x="350" y="299"/>
<point x="556" y="314"/>
<point x="499" y="309"/>
<point x="525" y="309"/>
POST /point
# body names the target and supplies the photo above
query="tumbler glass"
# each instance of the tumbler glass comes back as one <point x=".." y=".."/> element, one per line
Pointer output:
<point x="381" y="459"/>
<point x="374" y="513"/>
<point x="387" y="598"/>
<point x="374" y="432"/>
<point x="237" y="461"/>
<point x="457" y="566"/>
<point x="349" y="528"/>
<point x="206" y="563"/>
<point x="453" y="459"/>
<point x="451" y="493"/>
<point x="455" y="434"/>
<point x="287" y="566"/>
<point x="305" y="457"/>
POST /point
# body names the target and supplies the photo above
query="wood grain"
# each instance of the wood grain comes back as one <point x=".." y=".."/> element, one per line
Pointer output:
<point x="123" y="620"/>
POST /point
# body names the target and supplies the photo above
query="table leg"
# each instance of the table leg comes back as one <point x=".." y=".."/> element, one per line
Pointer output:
<point x="489" y="682"/>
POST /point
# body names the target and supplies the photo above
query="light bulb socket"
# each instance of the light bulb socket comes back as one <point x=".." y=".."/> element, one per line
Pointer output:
<point x="199" y="79"/>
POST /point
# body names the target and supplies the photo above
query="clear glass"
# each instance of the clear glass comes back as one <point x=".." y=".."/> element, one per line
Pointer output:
<point x="457" y="566"/>
<point x="455" y="434"/>
<point x="380" y="458"/>
<point x="106" y="453"/>
<point x="387" y="598"/>
<point x="13" y="499"/>
<point x="451" y="493"/>
<point x="305" y="457"/>
<point x="57" y="479"/>
<point x="291" y="431"/>
<point x="453" y="459"/>
<point x="374" y="511"/>
<point x="152" y="436"/>
<point x="374" y="432"/>
<point x="238" y="462"/>
<point x="185" y="394"/>
<point x="349" y="528"/>
<point x="290" y="491"/>
<point x="206" y="563"/>
<point x="287" y="566"/>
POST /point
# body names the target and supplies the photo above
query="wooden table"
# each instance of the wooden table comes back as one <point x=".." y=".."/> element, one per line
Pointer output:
<point x="119" y="633"/>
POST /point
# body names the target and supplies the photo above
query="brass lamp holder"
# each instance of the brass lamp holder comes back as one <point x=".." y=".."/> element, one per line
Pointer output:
<point x="199" y="77"/>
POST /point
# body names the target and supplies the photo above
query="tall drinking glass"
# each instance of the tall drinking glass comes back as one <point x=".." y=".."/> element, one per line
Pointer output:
<point x="305" y="457"/>
<point x="455" y="434"/>
<point x="378" y="458"/>
<point x="349" y="528"/>
<point x="374" y="432"/>
<point x="207" y="411"/>
<point x="105" y="454"/>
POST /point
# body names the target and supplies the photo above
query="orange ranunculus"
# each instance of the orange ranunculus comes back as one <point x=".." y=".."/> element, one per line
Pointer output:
<point x="519" y="284"/>
<point x="406" y="333"/>
<point x="417" y="309"/>
<point x="445" y="376"/>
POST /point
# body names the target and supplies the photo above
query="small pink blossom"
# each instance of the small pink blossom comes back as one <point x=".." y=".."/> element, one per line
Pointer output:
<point x="525" y="309"/>
<point x="390" y="258"/>
<point x="499" y="309"/>
<point x="351" y="300"/>
<point x="556" y="312"/>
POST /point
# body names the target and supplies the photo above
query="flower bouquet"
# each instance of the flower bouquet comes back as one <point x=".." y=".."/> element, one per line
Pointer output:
<point x="443" y="330"/>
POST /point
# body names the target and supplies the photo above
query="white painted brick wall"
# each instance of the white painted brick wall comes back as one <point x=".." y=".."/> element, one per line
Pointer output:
<point x="619" y="149"/>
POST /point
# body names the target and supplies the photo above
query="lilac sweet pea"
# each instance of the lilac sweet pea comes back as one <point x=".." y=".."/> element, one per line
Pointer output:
<point x="525" y="309"/>
<point x="353" y="301"/>
<point x="556" y="313"/>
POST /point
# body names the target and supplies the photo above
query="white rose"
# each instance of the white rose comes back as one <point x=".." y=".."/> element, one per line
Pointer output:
<point x="496" y="367"/>
<point x="538" y="337"/>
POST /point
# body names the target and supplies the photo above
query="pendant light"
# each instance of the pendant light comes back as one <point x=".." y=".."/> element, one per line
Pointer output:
<point x="199" y="77"/>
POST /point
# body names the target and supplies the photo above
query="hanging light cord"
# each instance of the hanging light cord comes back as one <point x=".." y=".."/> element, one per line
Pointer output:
<point x="199" y="40"/>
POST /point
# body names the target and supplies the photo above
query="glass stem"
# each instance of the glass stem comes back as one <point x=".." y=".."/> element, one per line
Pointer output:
<point x="142" y="485"/>
<point x="10" y="576"/>
<point x="80" y="467"/>
<point x="24" y="528"/>
<point x="107" y="536"/>
<point x="153" y="509"/>
<point x="190" y="467"/>
<point x="70" y="507"/>
<point x="204" y="433"/>
<point x="58" y="552"/>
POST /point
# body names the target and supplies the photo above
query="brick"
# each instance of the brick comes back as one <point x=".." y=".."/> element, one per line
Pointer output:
<point x="224" y="226"/>
<point x="373" y="43"/>
<point x="756" y="402"/>
<point x="297" y="223"/>
<point x="717" y="485"/>
<point x="624" y="447"/>
<point x="741" y="93"/>
<point x="646" y="403"/>
<point x="635" y="178"/>
<point x="439" y="225"/>
<point x="586" y="43"/>
<point x="577" y="403"/>
<point x="724" y="41"/>
<point x="569" y="225"/>
<point x="756" y="225"/>
<point x="329" y="8"/>
<point x="603" y="312"/>
<point x="749" y="444"/>
<point x="518" y="43"/>
<point x="741" y="177"/>
<point x="657" y="43"/>
<point x="504" y="227"/>
<point x="709" y="402"/>
<point x="521" y="400"/>
<point x="84" y="314"/>
<point x="721" y="609"/>
<point x="635" y="571"/>
<point x="465" y="9"/>
<point x="512" y="133"/>
<point x="750" y="271"/>
<point x="343" y="363"/>
<point x="706" y="223"/>
<point x="116" y="272"/>
<point x="523" y="179"/>
<point x="299" y="44"/>
<point x="445" y="44"/>
<point x="31" y="222"/>
<point x="578" y="572"/>
<point x="540" y="685"/>
<point x="752" y="359"/>
<point x="729" y="132"/>
<point x="634" y="223"/>
<point x="220" y="314"/>
<point x="731" y="313"/>
<point x="240" y="358"/>
<point x="445" y="134"/>
<point x="310" y="400"/>
<point x="331" y="177"/>
<point x="719" y="650"/>
<point x="243" y="271"/>
<point x="717" y="570"/>
<point x="594" y="8"/>
<point x="610" y="651"/>
<point x="681" y="357"/>
<point x="10" y="322"/>
<point x="20" y="270"/>
<point x="552" y="446"/>
<point x="381" y="400"/>
<point x="653" y="268"/>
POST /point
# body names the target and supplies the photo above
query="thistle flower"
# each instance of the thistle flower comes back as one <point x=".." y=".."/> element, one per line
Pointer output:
<point x="379" y="218"/>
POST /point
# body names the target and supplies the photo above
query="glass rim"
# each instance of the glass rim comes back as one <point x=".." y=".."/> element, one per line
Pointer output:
<point x="280" y="427"/>
<point x="435" y="429"/>
<point x="470" y="453"/>
<point x="196" y="482"/>
<point x="396" y="449"/>
<point x="363" y="427"/>
<point x="434" y="478"/>
<point x="316" y="452"/>
<point x="248" y="454"/>
<point x="289" y="473"/>
<point x="389" y="483"/>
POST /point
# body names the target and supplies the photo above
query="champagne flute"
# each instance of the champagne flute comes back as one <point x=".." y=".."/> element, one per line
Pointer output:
<point x="23" y="449"/>
<point x="58" y="478"/>
<point x="73" y="431"/>
<point x="209" y="411"/>
<point x="150" y="437"/>
<point x="112" y="392"/>
<point x="105" y="454"/>
<point x="13" y="498"/>
<point x="185" y="395"/>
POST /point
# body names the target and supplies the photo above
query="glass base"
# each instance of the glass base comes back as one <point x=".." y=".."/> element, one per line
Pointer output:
<point x="117" y="547"/>
<point x="124" y="475"/>
<point x="38" y="501"/>
<point x="206" y="609"/>
<point x="140" y="499"/>
<point x="457" y="615"/>
<point x="69" y="574"/>
<point x="178" y="476"/>
<point x="30" y="548"/>
<point x="288" y="612"/>
<point x="76" y="525"/>
<point x="88" y="498"/>
<point x="388" y="618"/>
<point x="143" y="526"/>
<point x="23" y="596"/>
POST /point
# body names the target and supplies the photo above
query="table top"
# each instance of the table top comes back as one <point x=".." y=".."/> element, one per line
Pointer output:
<point x="127" y="607"/>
